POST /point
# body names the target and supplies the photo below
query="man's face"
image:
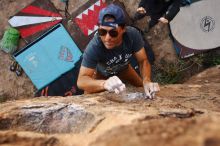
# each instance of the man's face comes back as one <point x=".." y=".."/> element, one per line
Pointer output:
<point x="110" y="39"/>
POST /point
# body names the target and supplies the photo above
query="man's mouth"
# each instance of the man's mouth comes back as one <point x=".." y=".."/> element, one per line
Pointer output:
<point x="109" y="43"/>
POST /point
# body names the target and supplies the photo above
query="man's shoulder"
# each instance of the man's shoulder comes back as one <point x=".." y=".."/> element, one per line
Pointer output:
<point x="94" y="43"/>
<point x="132" y="31"/>
<point x="134" y="37"/>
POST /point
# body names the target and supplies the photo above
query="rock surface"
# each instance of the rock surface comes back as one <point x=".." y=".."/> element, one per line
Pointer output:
<point x="181" y="114"/>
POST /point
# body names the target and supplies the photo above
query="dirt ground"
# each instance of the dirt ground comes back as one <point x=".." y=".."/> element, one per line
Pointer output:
<point x="13" y="87"/>
<point x="182" y="114"/>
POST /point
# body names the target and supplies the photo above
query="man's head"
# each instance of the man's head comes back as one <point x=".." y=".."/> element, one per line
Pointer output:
<point x="111" y="26"/>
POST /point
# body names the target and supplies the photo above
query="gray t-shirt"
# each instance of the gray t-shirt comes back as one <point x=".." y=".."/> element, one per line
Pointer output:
<point x="111" y="61"/>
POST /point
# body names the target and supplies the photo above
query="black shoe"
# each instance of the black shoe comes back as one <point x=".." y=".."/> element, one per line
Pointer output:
<point x="13" y="66"/>
<point x="19" y="71"/>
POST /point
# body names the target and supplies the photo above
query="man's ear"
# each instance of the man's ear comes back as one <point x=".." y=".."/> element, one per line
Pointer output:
<point x="123" y="29"/>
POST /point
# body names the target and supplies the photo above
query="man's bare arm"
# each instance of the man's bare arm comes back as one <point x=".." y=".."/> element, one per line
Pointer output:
<point x="144" y="65"/>
<point x="150" y="88"/>
<point x="87" y="83"/>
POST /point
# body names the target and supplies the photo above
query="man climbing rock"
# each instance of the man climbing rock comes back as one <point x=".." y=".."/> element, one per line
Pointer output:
<point x="106" y="60"/>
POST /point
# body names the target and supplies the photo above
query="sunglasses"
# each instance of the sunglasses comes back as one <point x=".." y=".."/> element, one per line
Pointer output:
<point x="113" y="32"/>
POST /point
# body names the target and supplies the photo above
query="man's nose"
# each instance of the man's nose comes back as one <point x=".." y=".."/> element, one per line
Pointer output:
<point x="107" y="37"/>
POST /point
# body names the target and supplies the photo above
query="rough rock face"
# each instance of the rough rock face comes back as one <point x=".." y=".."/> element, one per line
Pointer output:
<point x="211" y="75"/>
<point x="186" y="114"/>
<point x="181" y="114"/>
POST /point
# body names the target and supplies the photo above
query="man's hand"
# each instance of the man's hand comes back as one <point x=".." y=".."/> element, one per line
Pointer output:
<point x="114" y="84"/>
<point x="150" y="89"/>
<point x="163" y="20"/>
<point x="141" y="10"/>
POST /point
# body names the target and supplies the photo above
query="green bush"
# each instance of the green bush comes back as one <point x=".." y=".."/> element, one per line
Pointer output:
<point x="177" y="72"/>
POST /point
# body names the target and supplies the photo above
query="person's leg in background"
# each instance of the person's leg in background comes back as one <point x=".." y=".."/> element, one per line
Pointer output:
<point x="138" y="16"/>
<point x="153" y="22"/>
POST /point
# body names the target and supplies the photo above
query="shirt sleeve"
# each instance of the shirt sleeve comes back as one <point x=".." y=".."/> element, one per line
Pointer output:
<point x="90" y="58"/>
<point x="137" y="39"/>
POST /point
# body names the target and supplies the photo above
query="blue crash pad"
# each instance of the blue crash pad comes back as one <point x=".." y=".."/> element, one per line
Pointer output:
<point x="50" y="56"/>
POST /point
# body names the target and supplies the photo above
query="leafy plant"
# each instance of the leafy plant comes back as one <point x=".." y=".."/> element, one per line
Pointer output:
<point x="211" y="59"/>
<point x="175" y="72"/>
